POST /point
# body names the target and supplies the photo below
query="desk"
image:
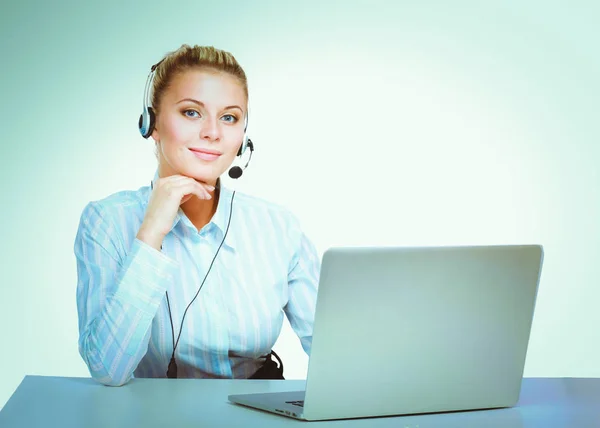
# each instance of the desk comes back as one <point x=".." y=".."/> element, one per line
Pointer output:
<point x="42" y="401"/>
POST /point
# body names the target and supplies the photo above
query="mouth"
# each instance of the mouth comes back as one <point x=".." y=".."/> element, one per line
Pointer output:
<point x="205" y="154"/>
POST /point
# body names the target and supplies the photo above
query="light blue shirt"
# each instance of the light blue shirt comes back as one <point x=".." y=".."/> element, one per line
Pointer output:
<point x="266" y="267"/>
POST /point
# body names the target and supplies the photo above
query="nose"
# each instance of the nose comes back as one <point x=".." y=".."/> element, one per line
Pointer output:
<point x="210" y="130"/>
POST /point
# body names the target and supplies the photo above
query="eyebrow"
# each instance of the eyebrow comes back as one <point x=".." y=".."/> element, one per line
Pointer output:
<point x="202" y="104"/>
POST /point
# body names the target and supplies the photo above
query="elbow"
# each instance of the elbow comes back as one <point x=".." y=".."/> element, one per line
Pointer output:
<point x="108" y="381"/>
<point x="306" y="343"/>
<point x="100" y="373"/>
<point x="111" y="381"/>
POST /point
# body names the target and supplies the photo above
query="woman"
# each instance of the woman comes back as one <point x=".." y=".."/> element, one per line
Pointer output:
<point x="185" y="275"/>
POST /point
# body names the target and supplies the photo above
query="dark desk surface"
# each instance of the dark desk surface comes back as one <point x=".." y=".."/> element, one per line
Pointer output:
<point x="42" y="401"/>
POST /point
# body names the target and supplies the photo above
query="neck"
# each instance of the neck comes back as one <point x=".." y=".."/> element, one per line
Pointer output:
<point x="200" y="211"/>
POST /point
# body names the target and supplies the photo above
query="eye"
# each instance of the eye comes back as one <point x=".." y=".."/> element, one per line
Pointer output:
<point x="230" y="118"/>
<point x="191" y="113"/>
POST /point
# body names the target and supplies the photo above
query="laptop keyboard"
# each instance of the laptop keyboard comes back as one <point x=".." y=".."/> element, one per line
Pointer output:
<point x="299" y="403"/>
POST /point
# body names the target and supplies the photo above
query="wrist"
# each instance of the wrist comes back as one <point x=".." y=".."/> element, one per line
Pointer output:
<point x="151" y="238"/>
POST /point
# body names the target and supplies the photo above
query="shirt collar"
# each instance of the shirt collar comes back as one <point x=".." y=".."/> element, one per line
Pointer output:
<point x="220" y="218"/>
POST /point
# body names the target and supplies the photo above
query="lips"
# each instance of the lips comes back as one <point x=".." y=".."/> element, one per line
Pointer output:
<point x="206" y="154"/>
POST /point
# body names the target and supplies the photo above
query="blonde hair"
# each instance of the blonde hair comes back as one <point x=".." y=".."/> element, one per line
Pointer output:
<point x="197" y="57"/>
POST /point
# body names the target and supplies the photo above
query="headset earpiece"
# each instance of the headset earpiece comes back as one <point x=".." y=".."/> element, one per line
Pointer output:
<point x="243" y="146"/>
<point x="146" y="122"/>
<point x="147" y="118"/>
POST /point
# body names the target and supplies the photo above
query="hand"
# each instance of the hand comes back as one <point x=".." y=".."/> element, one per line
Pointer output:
<point x="168" y="194"/>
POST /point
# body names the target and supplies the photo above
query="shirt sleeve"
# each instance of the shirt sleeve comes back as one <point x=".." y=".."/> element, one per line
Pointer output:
<point x="119" y="291"/>
<point x="303" y="279"/>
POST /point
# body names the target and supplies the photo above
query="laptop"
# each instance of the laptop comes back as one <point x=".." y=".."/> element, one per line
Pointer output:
<point x="415" y="330"/>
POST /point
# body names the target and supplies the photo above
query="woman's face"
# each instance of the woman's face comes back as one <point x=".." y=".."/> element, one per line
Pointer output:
<point x="200" y="125"/>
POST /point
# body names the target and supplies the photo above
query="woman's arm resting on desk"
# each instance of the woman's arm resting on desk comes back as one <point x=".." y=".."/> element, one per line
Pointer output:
<point x="118" y="295"/>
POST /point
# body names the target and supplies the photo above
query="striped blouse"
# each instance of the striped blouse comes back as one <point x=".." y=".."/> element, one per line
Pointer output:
<point x="266" y="267"/>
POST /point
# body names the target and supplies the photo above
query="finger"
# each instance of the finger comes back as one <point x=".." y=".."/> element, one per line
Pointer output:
<point x="193" y="188"/>
<point x="178" y="178"/>
<point x="202" y="187"/>
<point x="205" y="188"/>
<point x="172" y="179"/>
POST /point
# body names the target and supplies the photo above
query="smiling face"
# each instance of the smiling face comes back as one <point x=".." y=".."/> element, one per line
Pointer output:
<point x="200" y="124"/>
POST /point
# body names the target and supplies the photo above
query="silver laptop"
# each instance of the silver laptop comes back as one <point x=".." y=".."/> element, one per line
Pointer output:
<point x="415" y="330"/>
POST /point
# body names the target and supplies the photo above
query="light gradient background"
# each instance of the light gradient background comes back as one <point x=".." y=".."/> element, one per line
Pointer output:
<point x="392" y="123"/>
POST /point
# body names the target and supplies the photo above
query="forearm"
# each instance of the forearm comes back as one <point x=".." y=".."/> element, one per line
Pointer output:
<point x="114" y="335"/>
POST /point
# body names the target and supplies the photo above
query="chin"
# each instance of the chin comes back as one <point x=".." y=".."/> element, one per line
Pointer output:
<point x="205" y="175"/>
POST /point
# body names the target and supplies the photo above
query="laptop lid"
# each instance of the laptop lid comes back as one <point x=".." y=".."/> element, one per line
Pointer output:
<point x="416" y="330"/>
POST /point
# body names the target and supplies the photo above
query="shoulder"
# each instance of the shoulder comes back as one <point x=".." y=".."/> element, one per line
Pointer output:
<point x="112" y="221"/>
<point x="268" y="224"/>
<point x="276" y="228"/>
<point x="267" y="210"/>
<point x="124" y="199"/>
<point x="118" y="208"/>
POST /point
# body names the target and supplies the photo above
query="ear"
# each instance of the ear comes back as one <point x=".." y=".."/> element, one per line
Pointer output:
<point x="155" y="134"/>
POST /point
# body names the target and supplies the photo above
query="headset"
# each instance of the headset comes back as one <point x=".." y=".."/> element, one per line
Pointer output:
<point x="147" y="122"/>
